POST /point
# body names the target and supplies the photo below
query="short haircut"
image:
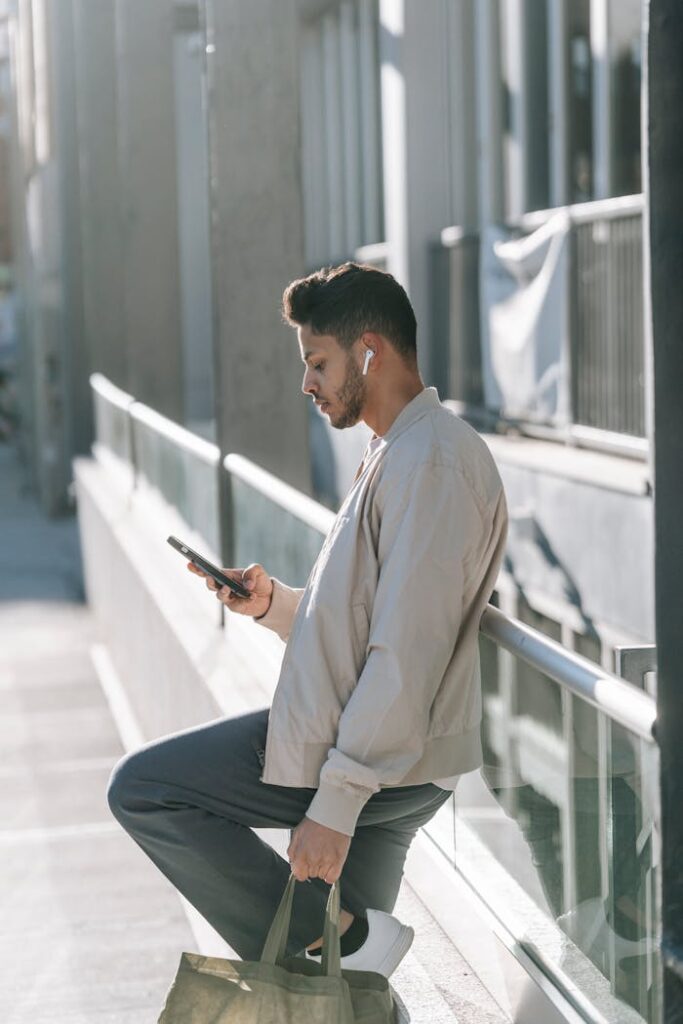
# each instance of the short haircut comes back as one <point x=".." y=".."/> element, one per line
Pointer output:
<point x="348" y="300"/>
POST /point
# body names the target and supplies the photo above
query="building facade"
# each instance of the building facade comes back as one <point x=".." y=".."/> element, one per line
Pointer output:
<point x="176" y="164"/>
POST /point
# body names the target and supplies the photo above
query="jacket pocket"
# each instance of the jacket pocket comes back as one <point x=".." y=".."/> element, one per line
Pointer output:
<point x="361" y="634"/>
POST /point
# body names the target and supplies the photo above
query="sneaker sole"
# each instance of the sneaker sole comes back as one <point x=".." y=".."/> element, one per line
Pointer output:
<point x="397" y="952"/>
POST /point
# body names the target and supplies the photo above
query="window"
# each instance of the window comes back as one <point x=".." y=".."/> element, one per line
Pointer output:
<point x="579" y="102"/>
<point x="625" y="72"/>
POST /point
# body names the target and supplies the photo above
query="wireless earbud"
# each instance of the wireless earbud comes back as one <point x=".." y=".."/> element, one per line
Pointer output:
<point x="368" y="356"/>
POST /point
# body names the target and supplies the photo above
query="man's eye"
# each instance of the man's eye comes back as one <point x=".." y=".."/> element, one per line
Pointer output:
<point x="318" y="367"/>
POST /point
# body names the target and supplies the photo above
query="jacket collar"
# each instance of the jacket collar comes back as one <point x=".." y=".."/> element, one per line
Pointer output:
<point x="425" y="402"/>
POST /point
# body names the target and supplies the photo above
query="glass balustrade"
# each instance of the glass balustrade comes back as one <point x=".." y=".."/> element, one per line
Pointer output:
<point x="558" y="835"/>
<point x="181" y="470"/>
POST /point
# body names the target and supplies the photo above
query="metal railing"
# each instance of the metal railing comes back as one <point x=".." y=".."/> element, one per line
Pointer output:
<point x="606" y="322"/>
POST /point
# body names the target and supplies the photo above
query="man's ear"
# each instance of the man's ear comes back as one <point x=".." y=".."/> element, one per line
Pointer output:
<point x="370" y="343"/>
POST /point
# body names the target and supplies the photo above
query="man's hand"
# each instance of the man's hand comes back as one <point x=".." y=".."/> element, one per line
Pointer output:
<point x="317" y="851"/>
<point x="254" y="578"/>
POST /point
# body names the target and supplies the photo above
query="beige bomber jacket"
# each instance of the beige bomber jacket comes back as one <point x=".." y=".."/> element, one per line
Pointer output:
<point x="380" y="680"/>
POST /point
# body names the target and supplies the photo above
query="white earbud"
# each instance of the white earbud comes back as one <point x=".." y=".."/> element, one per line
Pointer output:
<point x="368" y="356"/>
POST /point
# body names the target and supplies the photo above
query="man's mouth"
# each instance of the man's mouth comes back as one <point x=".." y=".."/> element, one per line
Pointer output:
<point x="322" y="405"/>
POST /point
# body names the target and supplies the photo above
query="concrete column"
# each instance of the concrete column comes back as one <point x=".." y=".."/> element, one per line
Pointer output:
<point x="75" y="353"/>
<point x="146" y="130"/>
<point x="101" y="227"/>
<point x="559" y="135"/>
<point x="415" y="146"/>
<point x="516" y="140"/>
<point x="462" y="114"/>
<point x="602" y="126"/>
<point x="664" y="169"/>
<point x="257" y="230"/>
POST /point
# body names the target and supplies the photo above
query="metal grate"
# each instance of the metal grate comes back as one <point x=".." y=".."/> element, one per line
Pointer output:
<point x="608" y="390"/>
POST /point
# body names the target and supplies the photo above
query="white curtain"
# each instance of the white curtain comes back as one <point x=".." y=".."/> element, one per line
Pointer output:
<point x="525" y="322"/>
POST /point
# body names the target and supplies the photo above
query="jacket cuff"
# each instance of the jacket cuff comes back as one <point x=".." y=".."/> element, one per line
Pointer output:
<point x="284" y="602"/>
<point x="337" y="808"/>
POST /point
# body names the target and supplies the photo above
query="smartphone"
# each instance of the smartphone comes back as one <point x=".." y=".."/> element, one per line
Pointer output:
<point x="208" y="567"/>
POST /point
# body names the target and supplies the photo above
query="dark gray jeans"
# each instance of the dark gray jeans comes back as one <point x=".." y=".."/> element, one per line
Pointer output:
<point x="191" y="800"/>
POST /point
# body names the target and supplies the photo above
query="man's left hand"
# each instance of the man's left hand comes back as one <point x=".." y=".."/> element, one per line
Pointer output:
<point x="317" y="851"/>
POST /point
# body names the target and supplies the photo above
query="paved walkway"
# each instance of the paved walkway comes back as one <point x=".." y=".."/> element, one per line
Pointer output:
<point x="91" y="932"/>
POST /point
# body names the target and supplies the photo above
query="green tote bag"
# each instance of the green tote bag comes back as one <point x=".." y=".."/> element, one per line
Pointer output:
<point x="278" y="989"/>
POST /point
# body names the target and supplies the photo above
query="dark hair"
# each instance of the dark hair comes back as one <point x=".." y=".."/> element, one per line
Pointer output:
<point x="348" y="300"/>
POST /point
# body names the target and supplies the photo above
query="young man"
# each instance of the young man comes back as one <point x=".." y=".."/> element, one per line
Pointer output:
<point x="378" y="706"/>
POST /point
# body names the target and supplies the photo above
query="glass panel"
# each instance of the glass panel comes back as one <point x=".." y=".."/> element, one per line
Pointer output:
<point x="580" y="98"/>
<point x="113" y="429"/>
<point x="267" y="533"/>
<point x="558" y="835"/>
<point x="538" y="107"/>
<point x="184" y="480"/>
<point x="625" y="18"/>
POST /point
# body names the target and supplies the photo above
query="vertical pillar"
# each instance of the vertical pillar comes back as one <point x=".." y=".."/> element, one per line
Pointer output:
<point x="462" y="108"/>
<point x="257" y="230"/>
<point x="489" y="112"/>
<point x="516" y="140"/>
<point x="664" y="167"/>
<point x="101" y="228"/>
<point x="78" y="404"/>
<point x="559" y="135"/>
<point x="146" y="130"/>
<point x="602" y="128"/>
<point x="415" y="147"/>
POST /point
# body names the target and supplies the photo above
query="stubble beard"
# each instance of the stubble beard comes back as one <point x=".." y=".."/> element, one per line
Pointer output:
<point x="351" y="396"/>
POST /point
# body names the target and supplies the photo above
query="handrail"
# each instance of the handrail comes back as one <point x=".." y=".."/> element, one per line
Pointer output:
<point x="578" y="213"/>
<point x="620" y="701"/>
<point x="105" y="389"/>
<point x="171" y="431"/>
<point x="585" y="213"/>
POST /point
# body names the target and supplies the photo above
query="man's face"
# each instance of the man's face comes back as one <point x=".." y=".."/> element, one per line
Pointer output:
<point x="332" y="378"/>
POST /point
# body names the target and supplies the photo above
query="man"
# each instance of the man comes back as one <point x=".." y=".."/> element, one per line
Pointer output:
<point x="378" y="706"/>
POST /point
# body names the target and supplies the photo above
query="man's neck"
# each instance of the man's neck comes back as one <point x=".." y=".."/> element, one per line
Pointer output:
<point x="386" y="407"/>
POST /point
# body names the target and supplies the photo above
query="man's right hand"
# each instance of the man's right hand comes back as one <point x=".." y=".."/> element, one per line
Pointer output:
<point x="254" y="578"/>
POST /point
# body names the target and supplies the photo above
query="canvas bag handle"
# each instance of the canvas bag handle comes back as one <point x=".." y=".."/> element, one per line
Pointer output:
<point x="276" y="941"/>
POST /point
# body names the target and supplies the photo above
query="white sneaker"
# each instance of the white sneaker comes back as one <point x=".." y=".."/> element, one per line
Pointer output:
<point x="387" y="943"/>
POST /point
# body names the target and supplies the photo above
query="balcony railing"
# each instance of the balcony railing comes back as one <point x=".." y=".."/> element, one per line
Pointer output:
<point x="558" y="835"/>
<point x="606" y="322"/>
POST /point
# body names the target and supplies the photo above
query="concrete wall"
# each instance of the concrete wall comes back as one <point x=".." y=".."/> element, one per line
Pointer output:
<point x="581" y="536"/>
<point x="147" y="154"/>
<point x="100" y="188"/>
<point x="54" y="360"/>
<point x="257" y="230"/>
<point x="193" y="232"/>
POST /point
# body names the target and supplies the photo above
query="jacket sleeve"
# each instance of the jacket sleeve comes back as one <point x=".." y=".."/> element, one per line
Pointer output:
<point x="283" y="605"/>
<point x="427" y="533"/>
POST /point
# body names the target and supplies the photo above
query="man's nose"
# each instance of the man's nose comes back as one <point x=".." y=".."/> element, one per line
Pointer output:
<point x="307" y="386"/>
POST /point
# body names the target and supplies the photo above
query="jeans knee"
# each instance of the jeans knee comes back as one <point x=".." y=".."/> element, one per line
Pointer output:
<point x="122" y="785"/>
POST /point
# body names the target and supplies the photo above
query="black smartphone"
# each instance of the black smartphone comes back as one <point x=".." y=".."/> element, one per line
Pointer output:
<point x="208" y="567"/>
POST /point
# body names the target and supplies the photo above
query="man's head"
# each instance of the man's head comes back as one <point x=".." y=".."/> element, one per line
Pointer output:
<point x="350" y="319"/>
